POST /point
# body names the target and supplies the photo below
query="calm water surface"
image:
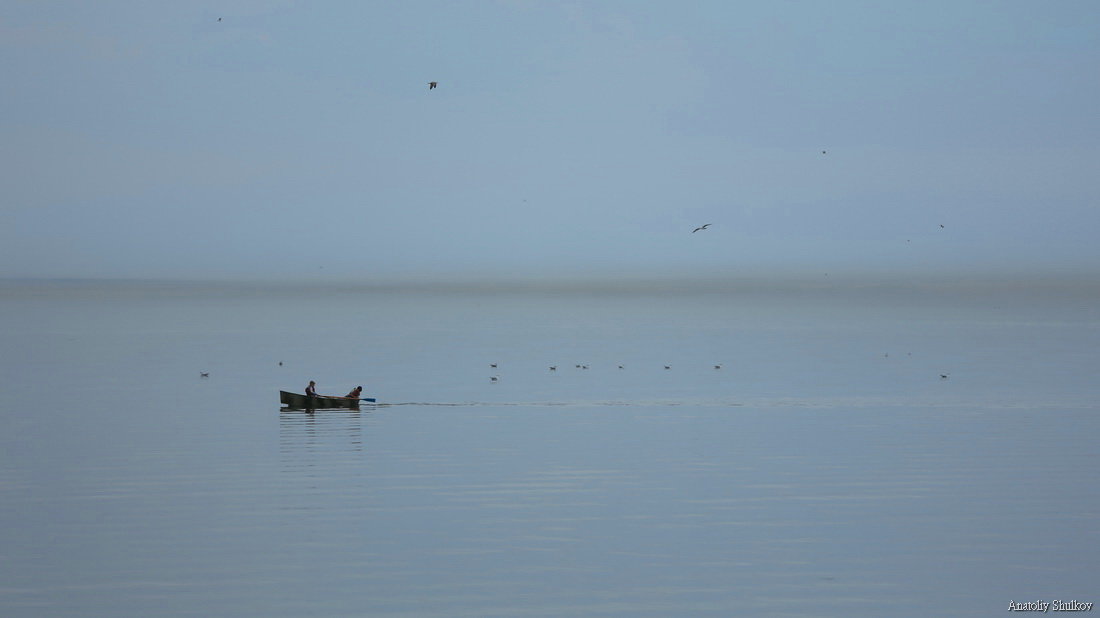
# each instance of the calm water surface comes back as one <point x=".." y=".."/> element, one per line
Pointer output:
<point x="826" y="469"/>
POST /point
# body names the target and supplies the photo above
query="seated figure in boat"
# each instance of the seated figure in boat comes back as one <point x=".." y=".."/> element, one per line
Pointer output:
<point x="355" y="392"/>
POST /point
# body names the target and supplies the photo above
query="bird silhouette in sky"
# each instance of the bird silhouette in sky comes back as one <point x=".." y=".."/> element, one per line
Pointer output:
<point x="701" y="227"/>
<point x="432" y="85"/>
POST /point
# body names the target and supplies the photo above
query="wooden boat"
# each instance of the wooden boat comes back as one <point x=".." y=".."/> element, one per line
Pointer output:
<point x="302" y="402"/>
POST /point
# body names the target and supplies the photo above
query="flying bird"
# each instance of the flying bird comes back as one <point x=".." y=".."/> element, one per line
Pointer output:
<point x="701" y="227"/>
<point x="432" y="85"/>
<point x="204" y="374"/>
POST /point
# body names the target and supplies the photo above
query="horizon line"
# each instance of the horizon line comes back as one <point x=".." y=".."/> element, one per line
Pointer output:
<point x="596" y="281"/>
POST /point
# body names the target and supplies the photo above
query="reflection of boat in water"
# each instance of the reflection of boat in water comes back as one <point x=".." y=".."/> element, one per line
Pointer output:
<point x="304" y="402"/>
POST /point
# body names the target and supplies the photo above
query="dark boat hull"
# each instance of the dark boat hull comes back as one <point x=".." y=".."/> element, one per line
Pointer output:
<point x="302" y="402"/>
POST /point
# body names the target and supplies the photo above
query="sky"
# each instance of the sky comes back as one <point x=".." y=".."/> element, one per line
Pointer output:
<point x="296" y="140"/>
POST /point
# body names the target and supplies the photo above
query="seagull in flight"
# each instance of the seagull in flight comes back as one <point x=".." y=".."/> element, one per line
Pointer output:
<point x="432" y="85"/>
<point x="701" y="227"/>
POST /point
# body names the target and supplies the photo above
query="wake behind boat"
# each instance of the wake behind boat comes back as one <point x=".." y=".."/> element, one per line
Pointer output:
<point x="306" y="402"/>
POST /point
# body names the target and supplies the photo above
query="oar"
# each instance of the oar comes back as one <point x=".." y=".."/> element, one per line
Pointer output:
<point x="367" y="399"/>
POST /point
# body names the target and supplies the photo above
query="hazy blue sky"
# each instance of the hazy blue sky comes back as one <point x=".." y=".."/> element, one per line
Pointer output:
<point x="295" y="139"/>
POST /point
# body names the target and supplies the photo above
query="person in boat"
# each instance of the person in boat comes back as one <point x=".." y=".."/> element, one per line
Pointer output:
<point x="311" y="390"/>
<point x="355" y="392"/>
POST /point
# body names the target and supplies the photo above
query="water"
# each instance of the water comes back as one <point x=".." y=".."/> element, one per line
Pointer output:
<point x="826" y="469"/>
